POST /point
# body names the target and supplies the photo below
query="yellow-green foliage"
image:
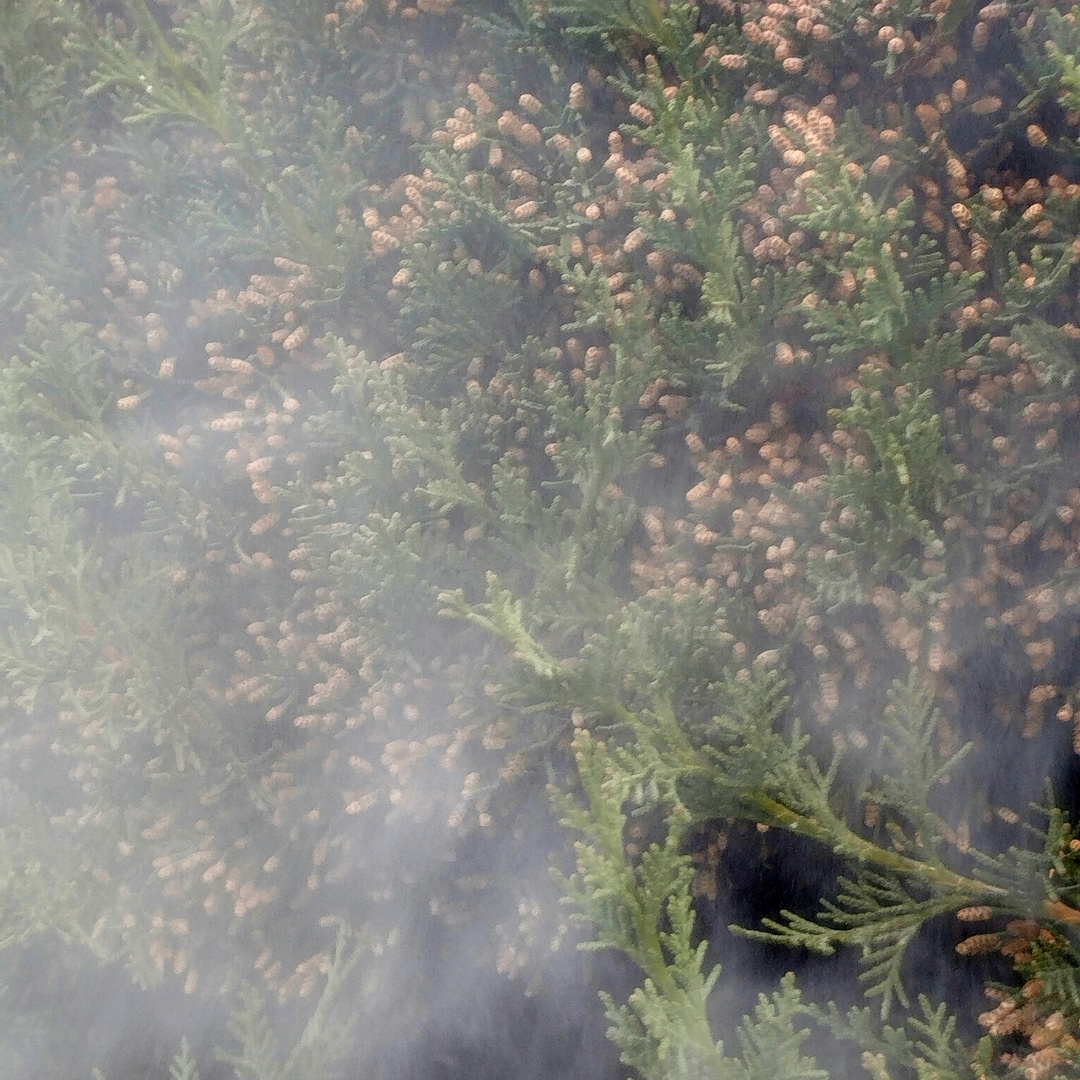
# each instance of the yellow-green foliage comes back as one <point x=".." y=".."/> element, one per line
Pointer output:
<point x="408" y="407"/>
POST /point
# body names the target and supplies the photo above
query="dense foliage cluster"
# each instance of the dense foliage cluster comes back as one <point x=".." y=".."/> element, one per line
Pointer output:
<point x="409" y="411"/>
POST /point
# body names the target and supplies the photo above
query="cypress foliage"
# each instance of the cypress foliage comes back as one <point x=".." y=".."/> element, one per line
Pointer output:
<point x="409" y="409"/>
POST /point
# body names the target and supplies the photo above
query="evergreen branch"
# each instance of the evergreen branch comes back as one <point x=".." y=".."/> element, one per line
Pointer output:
<point x="327" y="1038"/>
<point x="258" y="1055"/>
<point x="169" y="87"/>
<point x="183" y="1066"/>
<point x="928" y="1046"/>
<point x="194" y="85"/>
<point x="666" y="1019"/>
<point x="844" y="841"/>
<point x="874" y="913"/>
<point x="771" y="1043"/>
